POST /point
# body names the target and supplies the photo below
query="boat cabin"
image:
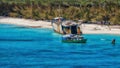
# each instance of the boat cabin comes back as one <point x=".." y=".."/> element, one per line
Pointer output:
<point x="63" y="26"/>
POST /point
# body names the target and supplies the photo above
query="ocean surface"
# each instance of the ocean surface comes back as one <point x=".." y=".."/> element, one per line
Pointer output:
<point x="22" y="47"/>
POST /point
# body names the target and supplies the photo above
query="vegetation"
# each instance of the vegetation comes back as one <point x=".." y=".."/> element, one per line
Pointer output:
<point x="88" y="10"/>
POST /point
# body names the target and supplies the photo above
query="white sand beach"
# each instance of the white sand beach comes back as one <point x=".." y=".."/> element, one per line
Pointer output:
<point x="98" y="29"/>
<point x="25" y="22"/>
<point x="86" y="28"/>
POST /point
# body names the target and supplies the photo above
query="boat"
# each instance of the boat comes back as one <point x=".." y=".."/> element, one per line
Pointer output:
<point x="71" y="30"/>
<point x="62" y="26"/>
<point x="73" y="38"/>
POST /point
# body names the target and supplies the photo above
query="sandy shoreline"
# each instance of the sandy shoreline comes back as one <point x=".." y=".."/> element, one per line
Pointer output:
<point x="86" y="28"/>
<point x="25" y="22"/>
<point x="98" y="29"/>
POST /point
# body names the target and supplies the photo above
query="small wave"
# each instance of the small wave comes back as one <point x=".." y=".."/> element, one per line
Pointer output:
<point x="45" y="51"/>
<point x="103" y="39"/>
<point x="16" y="40"/>
<point x="113" y="55"/>
<point x="85" y="66"/>
<point x="82" y="53"/>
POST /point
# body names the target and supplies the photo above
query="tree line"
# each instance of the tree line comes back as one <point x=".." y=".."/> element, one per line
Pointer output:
<point x="87" y="10"/>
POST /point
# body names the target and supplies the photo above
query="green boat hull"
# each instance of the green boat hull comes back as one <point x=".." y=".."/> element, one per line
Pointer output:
<point x="75" y="41"/>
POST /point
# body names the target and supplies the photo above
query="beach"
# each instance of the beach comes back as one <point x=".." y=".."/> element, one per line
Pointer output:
<point x="86" y="28"/>
<point x="99" y="29"/>
<point x="25" y="22"/>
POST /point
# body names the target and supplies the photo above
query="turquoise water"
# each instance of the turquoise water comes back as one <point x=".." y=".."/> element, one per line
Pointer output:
<point x="42" y="48"/>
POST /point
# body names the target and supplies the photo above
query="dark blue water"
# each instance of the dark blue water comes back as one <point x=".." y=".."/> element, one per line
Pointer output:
<point x="22" y="47"/>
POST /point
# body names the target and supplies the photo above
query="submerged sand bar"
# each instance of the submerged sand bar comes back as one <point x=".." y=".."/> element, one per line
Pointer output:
<point x="86" y="28"/>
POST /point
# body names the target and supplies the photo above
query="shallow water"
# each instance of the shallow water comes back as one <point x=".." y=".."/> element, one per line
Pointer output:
<point x="42" y="48"/>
